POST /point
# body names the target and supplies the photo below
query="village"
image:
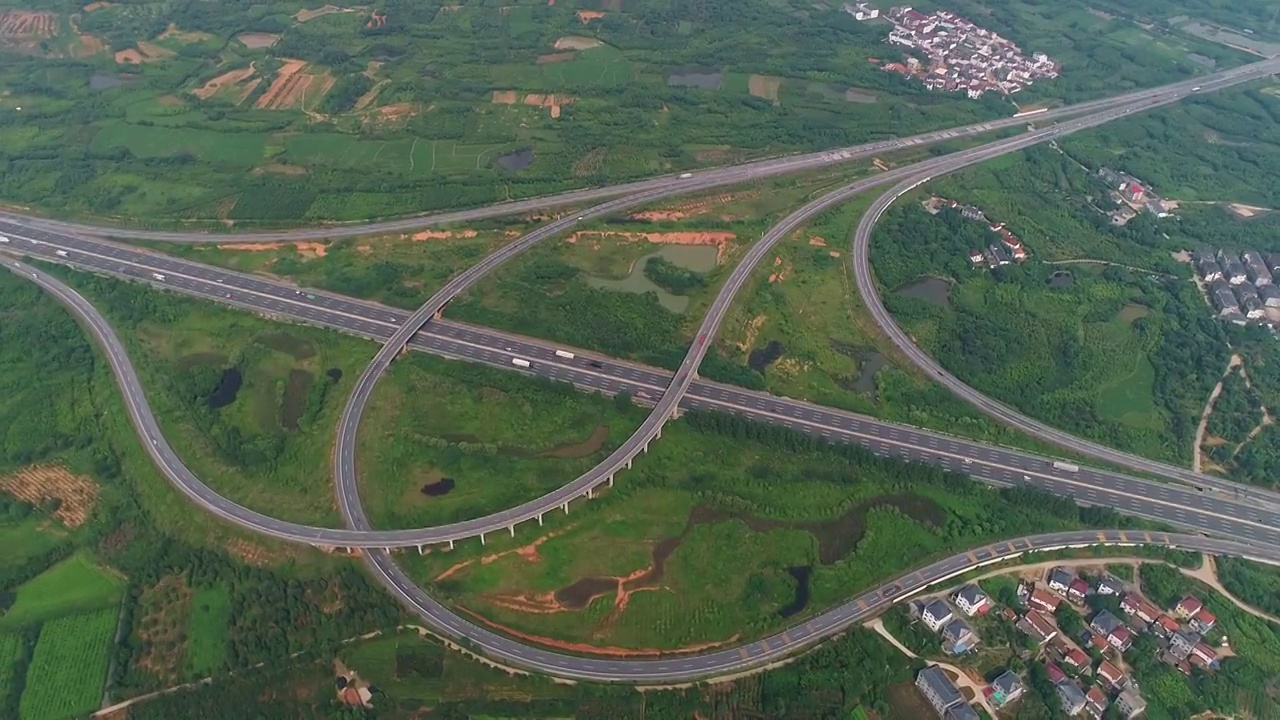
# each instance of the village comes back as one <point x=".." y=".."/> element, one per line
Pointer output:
<point x="1006" y="248"/>
<point x="959" y="55"/>
<point x="1133" y="197"/>
<point x="1085" y="663"/>
<point x="1242" y="288"/>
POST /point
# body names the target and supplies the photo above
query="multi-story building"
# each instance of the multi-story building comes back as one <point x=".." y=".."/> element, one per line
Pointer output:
<point x="938" y="689"/>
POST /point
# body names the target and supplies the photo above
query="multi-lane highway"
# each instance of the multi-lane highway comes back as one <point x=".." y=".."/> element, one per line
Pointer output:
<point x="860" y="258"/>
<point x="666" y="185"/>
<point x="738" y="659"/>
<point x="1220" y="514"/>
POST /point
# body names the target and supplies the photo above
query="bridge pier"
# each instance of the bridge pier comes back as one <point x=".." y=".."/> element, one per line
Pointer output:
<point x="450" y="544"/>
<point x="481" y="538"/>
<point x="656" y="436"/>
<point x="628" y="464"/>
<point x="511" y="529"/>
<point x="590" y="493"/>
<point x="539" y="519"/>
<point x="610" y="481"/>
<point x="422" y="550"/>
<point x="566" y="507"/>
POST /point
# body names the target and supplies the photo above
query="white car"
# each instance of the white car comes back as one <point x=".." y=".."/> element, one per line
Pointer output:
<point x="3" y="239"/>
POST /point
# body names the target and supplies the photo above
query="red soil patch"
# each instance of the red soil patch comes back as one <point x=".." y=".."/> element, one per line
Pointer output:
<point x="587" y="16"/>
<point x="707" y="237"/>
<point x="96" y="6"/>
<point x="695" y="207"/>
<point x="286" y="87"/>
<point x="528" y="553"/>
<point x="594" y="650"/>
<point x="227" y="79"/>
<point x="306" y="249"/>
<point x="441" y="235"/>
<point x="815" y="240"/>
<point x="89" y="45"/>
<point x="376" y="20"/>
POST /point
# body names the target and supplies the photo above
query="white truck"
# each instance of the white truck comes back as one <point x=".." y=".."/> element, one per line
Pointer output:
<point x="3" y="239"/>
<point x="60" y="253"/>
<point x="158" y="276"/>
<point x="565" y="354"/>
<point x="520" y="362"/>
<point x="685" y="176"/>
<point x="1065" y="466"/>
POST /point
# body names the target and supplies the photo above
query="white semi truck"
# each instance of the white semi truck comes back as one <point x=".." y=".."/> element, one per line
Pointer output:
<point x="1065" y="466"/>
<point x="520" y="362"/>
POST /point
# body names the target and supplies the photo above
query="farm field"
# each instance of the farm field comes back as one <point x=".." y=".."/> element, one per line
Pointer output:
<point x="169" y="116"/>
<point x="69" y="666"/>
<point x="76" y="584"/>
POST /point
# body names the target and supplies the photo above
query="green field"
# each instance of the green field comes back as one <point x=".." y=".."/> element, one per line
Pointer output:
<point x="11" y="655"/>
<point x="445" y="441"/>
<point x="75" y="584"/>
<point x="27" y="539"/>
<point x="207" y="637"/>
<point x="402" y="117"/>
<point x="726" y="530"/>
<point x="249" y="404"/>
<point x="69" y="666"/>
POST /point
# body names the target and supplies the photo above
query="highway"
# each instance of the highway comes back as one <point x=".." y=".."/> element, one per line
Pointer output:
<point x="864" y="280"/>
<point x="664" y="186"/>
<point x="1224" y="515"/>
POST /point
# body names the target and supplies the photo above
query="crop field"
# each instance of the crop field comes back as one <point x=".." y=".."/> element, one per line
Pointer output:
<point x="75" y="584"/>
<point x="231" y="149"/>
<point x="409" y="156"/>
<point x="76" y="495"/>
<point x="69" y="666"/>
<point x="11" y="653"/>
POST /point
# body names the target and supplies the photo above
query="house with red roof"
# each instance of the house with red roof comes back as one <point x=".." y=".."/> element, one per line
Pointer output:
<point x="1110" y="675"/>
<point x="1044" y="600"/>
<point x="1187" y="607"/>
<point x="1203" y="621"/>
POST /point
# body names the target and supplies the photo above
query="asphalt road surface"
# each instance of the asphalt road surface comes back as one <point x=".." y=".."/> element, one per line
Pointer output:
<point x="667" y="184"/>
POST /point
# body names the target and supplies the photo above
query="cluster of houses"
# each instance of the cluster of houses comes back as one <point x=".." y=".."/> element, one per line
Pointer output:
<point x="1241" y="287"/>
<point x="960" y="56"/>
<point x="1085" y="670"/>
<point x="861" y="11"/>
<point x="1133" y="196"/>
<point x="1007" y="248"/>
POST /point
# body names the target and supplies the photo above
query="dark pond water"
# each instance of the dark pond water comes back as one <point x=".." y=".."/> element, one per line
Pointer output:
<point x="228" y="387"/>
<point x="517" y="160"/>
<point x="761" y="358"/>
<point x="930" y="289"/>
<point x="801" y="573"/>
<point x="441" y="487"/>
<point x="1061" y="279"/>
<point x="334" y="374"/>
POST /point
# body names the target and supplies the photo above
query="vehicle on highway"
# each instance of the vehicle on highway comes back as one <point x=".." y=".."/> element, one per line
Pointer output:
<point x="565" y="354"/>
<point x="520" y="362"/>
<point x="595" y="364"/>
<point x="1195" y="89"/>
<point x="1066" y="466"/>
<point x="685" y="176"/>
<point x="3" y="239"/>
<point x="60" y="253"/>
<point x="157" y="276"/>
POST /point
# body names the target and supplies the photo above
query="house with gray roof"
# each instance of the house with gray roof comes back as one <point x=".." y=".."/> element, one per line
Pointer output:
<point x="938" y="689"/>
<point x="1071" y="697"/>
<point x="1006" y="688"/>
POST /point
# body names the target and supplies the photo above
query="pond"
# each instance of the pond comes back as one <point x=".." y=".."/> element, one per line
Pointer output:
<point x="801" y="574"/>
<point x="869" y="363"/>
<point x="228" y="387"/>
<point x="518" y="160"/>
<point x="930" y="289"/>
<point x="698" y="258"/>
<point x="761" y="358"/>
<point x="439" y="488"/>
<point x="696" y="78"/>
